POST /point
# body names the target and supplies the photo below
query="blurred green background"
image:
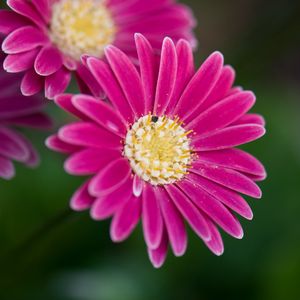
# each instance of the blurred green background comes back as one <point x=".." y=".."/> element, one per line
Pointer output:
<point x="47" y="252"/>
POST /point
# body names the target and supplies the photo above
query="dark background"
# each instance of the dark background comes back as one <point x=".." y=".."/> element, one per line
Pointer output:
<point x="46" y="252"/>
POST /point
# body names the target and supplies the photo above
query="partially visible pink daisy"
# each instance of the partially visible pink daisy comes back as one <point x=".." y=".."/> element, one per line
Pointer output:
<point x="17" y="111"/>
<point x="163" y="149"/>
<point x="46" y="38"/>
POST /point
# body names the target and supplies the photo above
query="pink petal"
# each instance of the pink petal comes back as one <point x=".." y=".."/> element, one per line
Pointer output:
<point x="12" y="145"/>
<point x="88" y="83"/>
<point x="166" y="77"/>
<point x="229" y="137"/>
<point x="90" y="161"/>
<point x="185" y="72"/>
<point x="55" y="143"/>
<point x="200" y="86"/>
<point x="138" y="186"/>
<point x="173" y="222"/>
<point x="89" y="135"/>
<point x="48" y="61"/>
<point x="219" y="91"/>
<point x="148" y="70"/>
<point x="109" y="204"/>
<point x="57" y="83"/>
<point x="128" y="78"/>
<point x="110" y="178"/>
<point x="190" y="212"/>
<point x="223" y="113"/>
<point x="213" y="208"/>
<point x="20" y="62"/>
<point x="228" y="178"/>
<point x="65" y="102"/>
<point x="43" y="7"/>
<point x="158" y="256"/>
<point x="251" y="119"/>
<point x="101" y="113"/>
<point x="25" y="9"/>
<point x="216" y="243"/>
<point x="234" y="159"/>
<point x="112" y="89"/>
<point x="152" y="218"/>
<point x="10" y="21"/>
<point x="36" y="120"/>
<point x="229" y="198"/>
<point x="7" y="170"/>
<point x="24" y="39"/>
<point x="31" y="83"/>
<point x="126" y="219"/>
<point x="81" y="199"/>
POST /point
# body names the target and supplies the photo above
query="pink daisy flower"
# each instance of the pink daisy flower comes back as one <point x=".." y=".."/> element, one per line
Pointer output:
<point x="162" y="149"/>
<point x="17" y="111"/>
<point x="46" y="38"/>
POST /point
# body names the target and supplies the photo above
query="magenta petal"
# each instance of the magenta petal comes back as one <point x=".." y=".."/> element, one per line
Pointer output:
<point x="24" y="39"/>
<point x="100" y="112"/>
<point x="228" y="178"/>
<point x="81" y="199"/>
<point x="126" y="219"/>
<point x="229" y="137"/>
<point x="223" y="113"/>
<point x="65" y="102"/>
<point x="108" y="82"/>
<point x="55" y="143"/>
<point x="213" y="208"/>
<point x="219" y="92"/>
<point x="10" y="21"/>
<point x="138" y="186"/>
<point x="57" y="83"/>
<point x="128" y="78"/>
<point x="251" y="119"/>
<point x="12" y="145"/>
<point x="43" y="6"/>
<point x="20" y="62"/>
<point x="89" y="135"/>
<point x="215" y="244"/>
<point x="190" y="212"/>
<point x="184" y="73"/>
<point x="234" y="159"/>
<point x="35" y="120"/>
<point x="173" y="222"/>
<point x="158" y="256"/>
<point x="48" y="61"/>
<point x="109" y="204"/>
<point x="7" y="170"/>
<point x="89" y="161"/>
<point x="31" y="83"/>
<point x="200" y="86"/>
<point x="228" y="197"/>
<point x="166" y="77"/>
<point x="148" y="70"/>
<point x="25" y="9"/>
<point x="110" y="178"/>
<point x="152" y="218"/>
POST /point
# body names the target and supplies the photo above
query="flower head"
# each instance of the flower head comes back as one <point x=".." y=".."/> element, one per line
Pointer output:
<point x="47" y="38"/>
<point x="163" y="147"/>
<point x="17" y="111"/>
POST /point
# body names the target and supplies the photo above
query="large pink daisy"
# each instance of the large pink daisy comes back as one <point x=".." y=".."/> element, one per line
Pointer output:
<point x="46" y="38"/>
<point x="17" y="111"/>
<point x="162" y="149"/>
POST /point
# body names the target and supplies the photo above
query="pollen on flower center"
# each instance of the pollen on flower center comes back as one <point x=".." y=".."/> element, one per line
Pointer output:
<point x="158" y="149"/>
<point x="81" y="27"/>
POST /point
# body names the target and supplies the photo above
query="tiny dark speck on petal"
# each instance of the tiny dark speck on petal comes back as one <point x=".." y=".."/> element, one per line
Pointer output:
<point x="154" y="119"/>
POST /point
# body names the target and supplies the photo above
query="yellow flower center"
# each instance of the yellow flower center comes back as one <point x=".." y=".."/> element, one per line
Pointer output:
<point x="158" y="149"/>
<point x="81" y="27"/>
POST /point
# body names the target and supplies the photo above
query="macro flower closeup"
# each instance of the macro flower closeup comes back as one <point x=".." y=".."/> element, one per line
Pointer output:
<point x="46" y="38"/>
<point x="17" y="111"/>
<point x="162" y="148"/>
